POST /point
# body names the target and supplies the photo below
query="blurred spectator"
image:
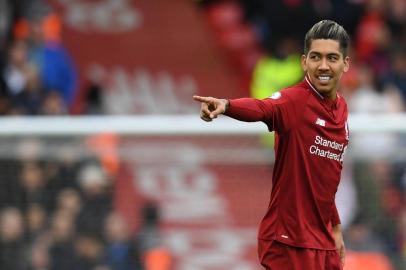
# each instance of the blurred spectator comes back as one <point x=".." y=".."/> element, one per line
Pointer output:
<point x="149" y="239"/>
<point x="97" y="199"/>
<point x="367" y="99"/>
<point x="396" y="76"/>
<point x="105" y="146"/>
<point x="121" y="251"/>
<point x="36" y="218"/>
<point x="53" y="104"/>
<point x="70" y="202"/>
<point x="62" y="173"/>
<point x="39" y="257"/>
<point x="62" y="249"/>
<point x="149" y="235"/>
<point x="29" y="100"/>
<point x="93" y="99"/>
<point x="33" y="184"/>
<point x="56" y="67"/>
<point x="396" y="19"/>
<point x="279" y="69"/>
<point x="14" y="73"/>
<point x="27" y="149"/>
<point x="30" y="149"/>
<point x="90" y="252"/>
<point x="361" y="237"/>
<point x="12" y="244"/>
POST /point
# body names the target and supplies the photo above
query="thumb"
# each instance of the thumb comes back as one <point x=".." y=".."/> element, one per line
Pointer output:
<point x="219" y="110"/>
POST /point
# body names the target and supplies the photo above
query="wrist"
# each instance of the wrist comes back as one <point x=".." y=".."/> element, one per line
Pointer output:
<point x="226" y="104"/>
<point x="337" y="228"/>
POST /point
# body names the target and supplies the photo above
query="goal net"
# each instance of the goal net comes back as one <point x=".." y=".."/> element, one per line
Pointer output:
<point x="196" y="190"/>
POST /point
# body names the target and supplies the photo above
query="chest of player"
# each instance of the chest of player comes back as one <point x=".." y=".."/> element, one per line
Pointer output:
<point x="324" y="131"/>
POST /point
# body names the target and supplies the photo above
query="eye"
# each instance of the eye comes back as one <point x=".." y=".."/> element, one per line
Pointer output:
<point x="333" y="58"/>
<point x="314" y="57"/>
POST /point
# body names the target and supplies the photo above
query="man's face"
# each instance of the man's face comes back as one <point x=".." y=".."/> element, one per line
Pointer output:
<point x="324" y="65"/>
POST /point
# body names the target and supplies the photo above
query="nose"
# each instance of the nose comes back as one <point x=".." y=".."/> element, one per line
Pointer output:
<point x="323" y="64"/>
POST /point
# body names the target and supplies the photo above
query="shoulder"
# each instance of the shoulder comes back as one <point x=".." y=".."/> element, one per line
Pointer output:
<point x="293" y="98"/>
<point x="296" y="93"/>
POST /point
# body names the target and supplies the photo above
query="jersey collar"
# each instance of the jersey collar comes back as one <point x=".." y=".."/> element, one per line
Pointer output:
<point x="331" y="103"/>
<point x="313" y="88"/>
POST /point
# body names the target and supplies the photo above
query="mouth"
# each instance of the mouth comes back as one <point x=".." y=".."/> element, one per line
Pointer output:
<point x="324" y="78"/>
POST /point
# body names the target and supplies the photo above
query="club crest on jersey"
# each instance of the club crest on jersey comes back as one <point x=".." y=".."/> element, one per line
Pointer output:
<point x="321" y="122"/>
<point x="276" y="95"/>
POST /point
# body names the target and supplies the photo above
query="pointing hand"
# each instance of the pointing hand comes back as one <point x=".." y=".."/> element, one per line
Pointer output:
<point x="211" y="107"/>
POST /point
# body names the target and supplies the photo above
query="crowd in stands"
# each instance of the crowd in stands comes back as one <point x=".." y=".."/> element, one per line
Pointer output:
<point x="58" y="213"/>
<point x="38" y="76"/>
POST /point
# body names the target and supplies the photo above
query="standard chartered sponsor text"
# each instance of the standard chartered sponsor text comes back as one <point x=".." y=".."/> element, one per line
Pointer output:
<point x="332" y="144"/>
<point x="316" y="150"/>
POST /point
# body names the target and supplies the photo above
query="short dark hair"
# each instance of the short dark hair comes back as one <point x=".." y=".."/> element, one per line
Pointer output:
<point x="327" y="29"/>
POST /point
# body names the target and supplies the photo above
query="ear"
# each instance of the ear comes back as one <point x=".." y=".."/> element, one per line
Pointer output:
<point x="346" y="63"/>
<point x="303" y="62"/>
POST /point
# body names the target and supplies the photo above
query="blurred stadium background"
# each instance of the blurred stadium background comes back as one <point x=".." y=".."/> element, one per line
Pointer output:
<point x="105" y="165"/>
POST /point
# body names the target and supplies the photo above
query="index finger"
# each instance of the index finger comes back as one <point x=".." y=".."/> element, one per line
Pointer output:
<point x="202" y="99"/>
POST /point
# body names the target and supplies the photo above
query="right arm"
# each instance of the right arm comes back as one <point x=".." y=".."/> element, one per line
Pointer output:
<point x="250" y="109"/>
<point x="243" y="109"/>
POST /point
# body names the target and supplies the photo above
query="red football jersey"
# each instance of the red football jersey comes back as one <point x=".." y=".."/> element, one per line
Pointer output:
<point x="311" y="138"/>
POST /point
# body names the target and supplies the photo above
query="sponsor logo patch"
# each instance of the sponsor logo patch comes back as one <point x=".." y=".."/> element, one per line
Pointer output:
<point x="276" y="95"/>
<point x="321" y="122"/>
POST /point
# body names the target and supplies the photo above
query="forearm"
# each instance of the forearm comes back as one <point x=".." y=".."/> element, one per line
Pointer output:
<point x="247" y="109"/>
<point x="339" y="241"/>
<point x="337" y="228"/>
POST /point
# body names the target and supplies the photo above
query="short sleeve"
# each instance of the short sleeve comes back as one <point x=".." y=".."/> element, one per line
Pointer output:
<point x="279" y="112"/>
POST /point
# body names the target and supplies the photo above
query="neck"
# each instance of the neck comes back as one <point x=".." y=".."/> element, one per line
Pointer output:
<point x="330" y="95"/>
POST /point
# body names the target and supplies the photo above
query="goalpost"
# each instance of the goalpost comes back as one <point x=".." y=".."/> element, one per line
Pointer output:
<point x="172" y="125"/>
